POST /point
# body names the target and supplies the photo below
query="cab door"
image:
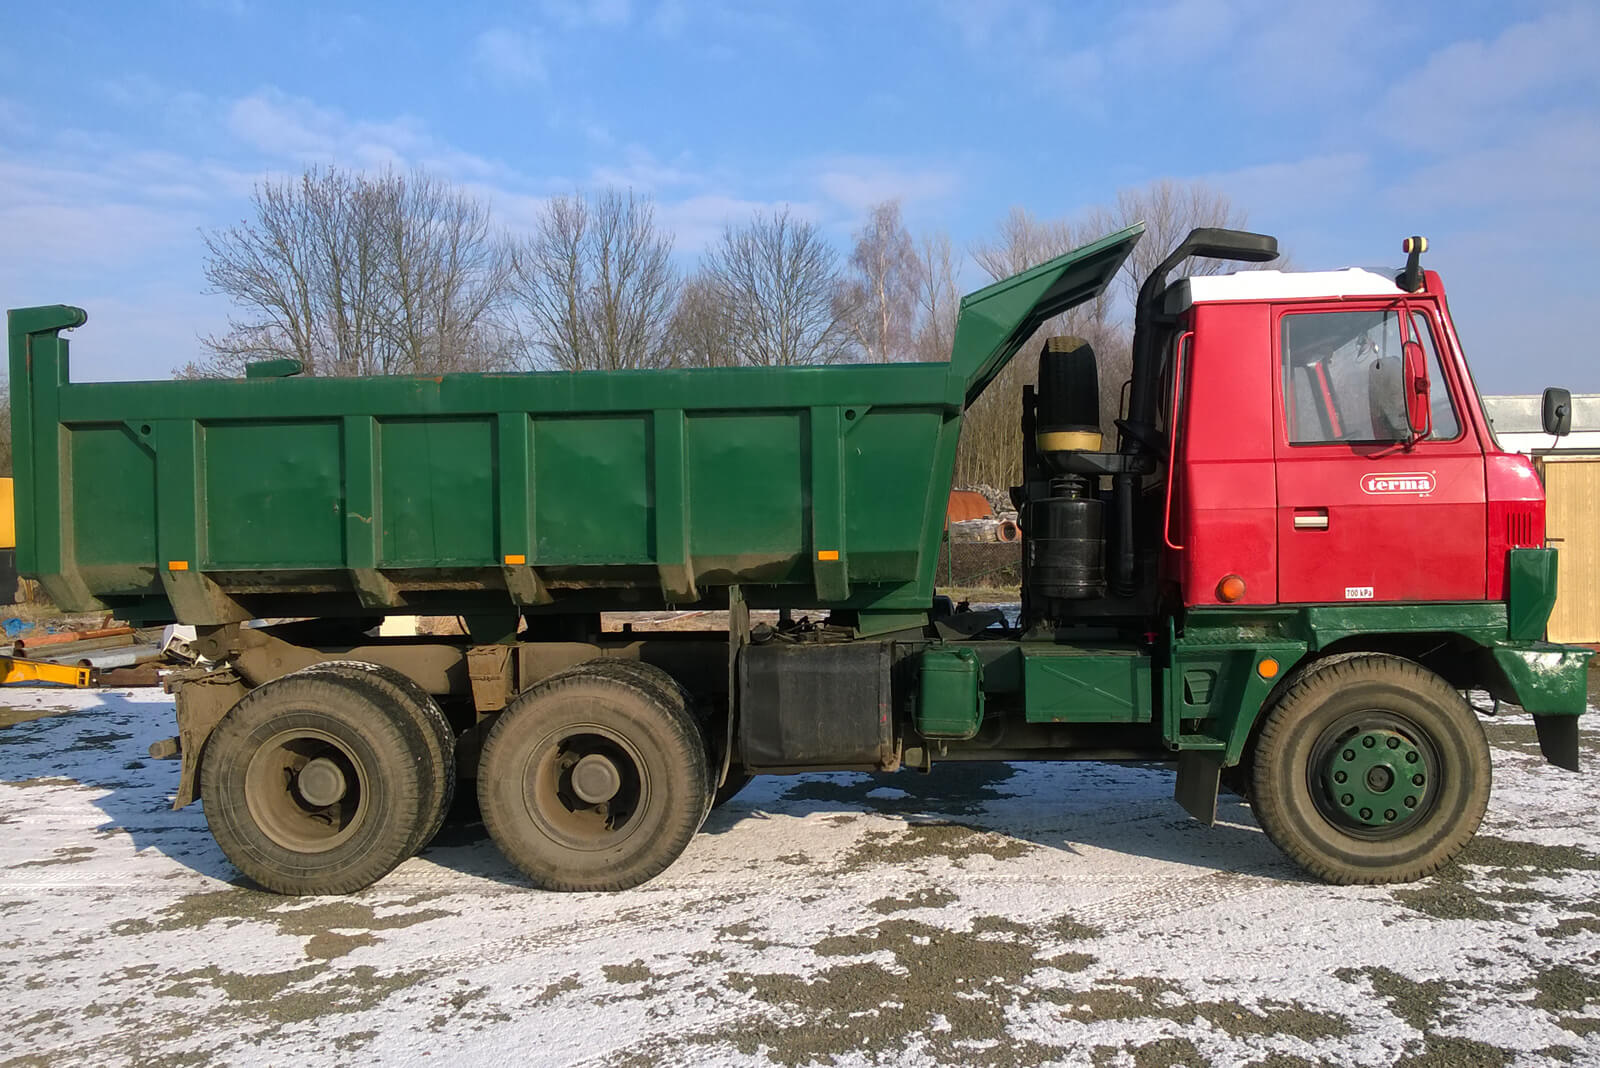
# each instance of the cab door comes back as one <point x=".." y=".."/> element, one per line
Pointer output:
<point x="1362" y="515"/>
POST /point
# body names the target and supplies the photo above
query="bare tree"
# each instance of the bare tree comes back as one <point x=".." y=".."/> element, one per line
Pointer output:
<point x="446" y="274"/>
<point x="5" y="430"/>
<point x="356" y="274"/>
<point x="937" y="299"/>
<point x="701" y="334"/>
<point x="990" y="452"/>
<point x="1169" y="210"/>
<point x="596" y="285"/>
<point x="880" y="299"/>
<point x="776" y="282"/>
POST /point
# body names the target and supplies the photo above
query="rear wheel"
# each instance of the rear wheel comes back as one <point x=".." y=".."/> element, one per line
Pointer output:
<point x="593" y="781"/>
<point x="312" y="787"/>
<point x="668" y="690"/>
<point x="1371" y="769"/>
<point x="404" y="697"/>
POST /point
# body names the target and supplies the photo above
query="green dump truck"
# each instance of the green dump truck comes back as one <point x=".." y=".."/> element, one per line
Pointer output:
<point x="1179" y="602"/>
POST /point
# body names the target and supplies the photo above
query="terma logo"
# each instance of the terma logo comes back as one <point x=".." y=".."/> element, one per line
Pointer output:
<point x="1415" y="483"/>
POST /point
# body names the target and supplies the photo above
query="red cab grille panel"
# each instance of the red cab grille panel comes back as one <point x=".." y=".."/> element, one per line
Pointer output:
<point x="1521" y="527"/>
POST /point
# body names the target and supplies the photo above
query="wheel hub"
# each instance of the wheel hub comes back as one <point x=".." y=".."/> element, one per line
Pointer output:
<point x="321" y="782"/>
<point x="1377" y="778"/>
<point x="595" y="779"/>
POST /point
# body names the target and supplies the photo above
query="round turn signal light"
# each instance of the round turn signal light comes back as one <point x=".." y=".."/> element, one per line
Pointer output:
<point x="1268" y="668"/>
<point x="1230" y="589"/>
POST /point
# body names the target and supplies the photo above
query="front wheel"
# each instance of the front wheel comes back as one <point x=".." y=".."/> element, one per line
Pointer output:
<point x="1371" y="769"/>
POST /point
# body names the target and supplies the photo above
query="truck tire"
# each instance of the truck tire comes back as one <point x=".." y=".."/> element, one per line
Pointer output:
<point x="666" y="688"/>
<point x="1371" y="769"/>
<point x="407" y="698"/>
<point x="640" y="800"/>
<point x="337" y="833"/>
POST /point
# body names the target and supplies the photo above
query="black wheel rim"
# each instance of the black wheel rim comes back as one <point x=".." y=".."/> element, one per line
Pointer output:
<point x="586" y="787"/>
<point x="336" y="782"/>
<point x="1374" y="774"/>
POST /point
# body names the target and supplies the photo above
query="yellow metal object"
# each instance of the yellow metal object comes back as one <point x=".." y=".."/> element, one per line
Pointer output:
<point x="18" y="670"/>
<point x="8" y="516"/>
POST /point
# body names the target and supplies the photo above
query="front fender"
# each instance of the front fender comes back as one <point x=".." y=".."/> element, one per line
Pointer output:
<point x="1551" y="681"/>
<point x="1545" y="679"/>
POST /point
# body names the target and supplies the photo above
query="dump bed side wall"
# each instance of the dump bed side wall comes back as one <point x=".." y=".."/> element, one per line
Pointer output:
<point x="205" y="500"/>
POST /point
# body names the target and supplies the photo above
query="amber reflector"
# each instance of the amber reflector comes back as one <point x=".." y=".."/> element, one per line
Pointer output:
<point x="1231" y="588"/>
<point x="1268" y="668"/>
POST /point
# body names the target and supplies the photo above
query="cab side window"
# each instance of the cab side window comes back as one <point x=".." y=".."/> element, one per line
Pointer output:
<point x="1342" y="377"/>
<point x="1445" y="425"/>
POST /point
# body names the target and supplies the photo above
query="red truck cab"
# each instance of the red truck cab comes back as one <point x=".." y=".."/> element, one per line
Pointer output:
<point x="1297" y="477"/>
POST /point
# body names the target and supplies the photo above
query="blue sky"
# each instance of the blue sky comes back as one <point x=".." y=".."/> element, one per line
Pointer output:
<point x="126" y="129"/>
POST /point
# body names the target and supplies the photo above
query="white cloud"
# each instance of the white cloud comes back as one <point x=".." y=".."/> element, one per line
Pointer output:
<point x="669" y="18"/>
<point x="641" y="171"/>
<point x="510" y="57"/>
<point x="293" y="130"/>
<point x="856" y="183"/>
<point x="1472" y="90"/>
<point x="13" y="119"/>
<point x="143" y="331"/>
<point x="1545" y="168"/>
<point x="697" y="221"/>
<point x="1270" y="56"/>
<point x="577" y="14"/>
<point x="1316" y="186"/>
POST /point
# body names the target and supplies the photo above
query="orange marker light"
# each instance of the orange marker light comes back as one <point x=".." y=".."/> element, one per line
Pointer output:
<point x="177" y="565"/>
<point x="1268" y="668"/>
<point x="1230" y="589"/>
<point x="514" y="559"/>
<point x="827" y="554"/>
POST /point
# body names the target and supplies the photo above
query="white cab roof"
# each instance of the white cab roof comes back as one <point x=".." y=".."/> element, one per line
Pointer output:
<point x="1279" y="285"/>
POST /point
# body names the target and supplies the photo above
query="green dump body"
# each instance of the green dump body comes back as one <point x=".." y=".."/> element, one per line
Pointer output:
<point x="210" y="501"/>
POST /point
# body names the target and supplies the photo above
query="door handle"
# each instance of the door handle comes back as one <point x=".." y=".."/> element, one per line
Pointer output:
<point x="1309" y="520"/>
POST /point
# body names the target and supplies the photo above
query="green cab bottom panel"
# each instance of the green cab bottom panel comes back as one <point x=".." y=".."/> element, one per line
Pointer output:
<point x="1086" y="684"/>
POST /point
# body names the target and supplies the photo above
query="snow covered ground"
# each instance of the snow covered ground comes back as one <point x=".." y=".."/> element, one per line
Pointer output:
<point x="981" y="915"/>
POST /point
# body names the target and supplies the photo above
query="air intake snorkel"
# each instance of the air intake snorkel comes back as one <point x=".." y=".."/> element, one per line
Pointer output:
<point x="1139" y="434"/>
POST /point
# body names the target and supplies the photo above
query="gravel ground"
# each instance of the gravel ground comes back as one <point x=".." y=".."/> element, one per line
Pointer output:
<point x="1013" y="914"/>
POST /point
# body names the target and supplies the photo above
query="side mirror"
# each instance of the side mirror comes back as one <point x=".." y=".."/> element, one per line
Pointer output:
<point x="1557" y="412"/>
<point x="1419" y="411"/>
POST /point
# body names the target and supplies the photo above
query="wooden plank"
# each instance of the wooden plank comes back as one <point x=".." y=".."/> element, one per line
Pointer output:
<point x="1572" y="515"/>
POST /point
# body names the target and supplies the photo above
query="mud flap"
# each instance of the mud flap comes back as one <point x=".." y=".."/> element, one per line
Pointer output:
<point x="1199" y="777"/>
<point x="1558" y="740"/>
